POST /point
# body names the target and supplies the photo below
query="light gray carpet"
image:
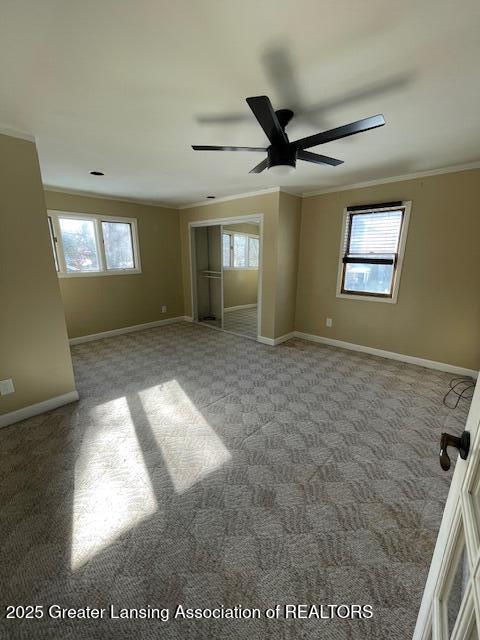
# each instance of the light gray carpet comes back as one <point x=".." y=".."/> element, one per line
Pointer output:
<point x="200" y="468"/>
<point x="242" y="321"/>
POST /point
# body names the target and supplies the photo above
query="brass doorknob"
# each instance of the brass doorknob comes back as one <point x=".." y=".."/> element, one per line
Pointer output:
<point x="462" y="444"/>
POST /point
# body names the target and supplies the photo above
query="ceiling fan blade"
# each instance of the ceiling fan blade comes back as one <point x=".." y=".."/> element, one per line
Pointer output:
<point x="200" y="147"/>
<point x="225" y="118"/>
<point x="340" y="132"/>
<point x="260" y="167"/>
<point x="280" y="70"/>
<point x="267" y="118"/>
<point x="317" y="158"/>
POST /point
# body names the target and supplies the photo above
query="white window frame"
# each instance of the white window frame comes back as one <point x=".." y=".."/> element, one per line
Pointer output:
<point x="97" y="219"/>
<point x="240" y="233"/>
<point x="406" y="207"/>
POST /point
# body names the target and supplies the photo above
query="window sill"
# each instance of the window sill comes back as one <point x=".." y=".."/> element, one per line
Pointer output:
<point x="352" y="296"/>
<point x="97" y="274"/>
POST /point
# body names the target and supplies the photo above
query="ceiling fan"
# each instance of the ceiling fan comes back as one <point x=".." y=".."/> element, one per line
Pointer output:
<point x="282" y="154"/>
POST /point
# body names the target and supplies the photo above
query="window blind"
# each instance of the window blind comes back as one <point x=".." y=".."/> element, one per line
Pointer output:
<point x="372" y="237"/>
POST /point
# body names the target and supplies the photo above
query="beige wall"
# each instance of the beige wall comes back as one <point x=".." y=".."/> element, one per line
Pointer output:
<point x="437" y="315"/>
<point x="102" y="303"/>
<point x="266" y="204"/>
<point x="287" y="263"/>
<point x="33" y="339"/>
<point x="240" y="287"/>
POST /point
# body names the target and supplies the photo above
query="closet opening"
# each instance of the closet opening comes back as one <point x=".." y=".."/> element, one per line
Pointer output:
<point x="226" y="260"/>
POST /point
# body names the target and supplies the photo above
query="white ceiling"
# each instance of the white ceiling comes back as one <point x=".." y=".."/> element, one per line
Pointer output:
<point x="122" y="87"/>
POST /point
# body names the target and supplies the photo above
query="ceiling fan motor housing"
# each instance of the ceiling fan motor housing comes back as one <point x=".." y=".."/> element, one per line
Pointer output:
<point x="281" y="155"/>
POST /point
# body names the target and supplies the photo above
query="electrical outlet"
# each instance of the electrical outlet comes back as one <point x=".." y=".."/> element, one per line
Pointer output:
<point x="164" y="308"/>
<point x="329" y="322"/>
<point x="6" y="387"/>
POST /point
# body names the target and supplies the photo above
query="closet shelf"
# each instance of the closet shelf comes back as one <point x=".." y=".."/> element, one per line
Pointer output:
<point x="209" y="273"/>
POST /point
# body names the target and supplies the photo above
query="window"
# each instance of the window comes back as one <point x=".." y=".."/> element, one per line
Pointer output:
<point x="79" y="245"/>
<point x="253" y="246"/>
<point x="240" y="250"/>
<point x="226" y="239"/>
<point x="52" y="240"/>
<point x="371" y="253"/>
<point x="118" y="242"/>
<point x="92" y="245"/>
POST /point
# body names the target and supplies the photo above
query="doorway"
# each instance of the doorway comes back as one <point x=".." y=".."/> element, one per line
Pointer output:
<point x="226" y="261"/>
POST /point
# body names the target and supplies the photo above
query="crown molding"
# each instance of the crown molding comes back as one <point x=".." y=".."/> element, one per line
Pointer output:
<point x="92" y="194"/>
<point x="291" y="193"/>
<point x="238" y="196"/>
<point x="407" y="176"/>
<point x="355" y="185"/>
<point x="15" y="133"/>
<point x="249" y="194"/>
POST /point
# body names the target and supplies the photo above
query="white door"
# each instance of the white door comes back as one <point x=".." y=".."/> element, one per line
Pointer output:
<point x="450" y="608"/>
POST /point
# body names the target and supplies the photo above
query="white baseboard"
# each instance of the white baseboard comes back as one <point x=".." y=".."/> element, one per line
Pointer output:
<point x="421" y="362"/>
<point x="34" y="409"/>
<point x="240" y="306"/>
<point x="272" y="342"/>
<point x="131" y="329"/>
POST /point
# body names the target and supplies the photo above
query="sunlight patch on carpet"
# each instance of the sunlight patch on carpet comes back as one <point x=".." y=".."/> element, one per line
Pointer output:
<point x="113" y="492"/>
<point x="189" y="446"/>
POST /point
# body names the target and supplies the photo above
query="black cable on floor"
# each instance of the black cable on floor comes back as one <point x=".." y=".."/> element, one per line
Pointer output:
<point x="462" y="387"/>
